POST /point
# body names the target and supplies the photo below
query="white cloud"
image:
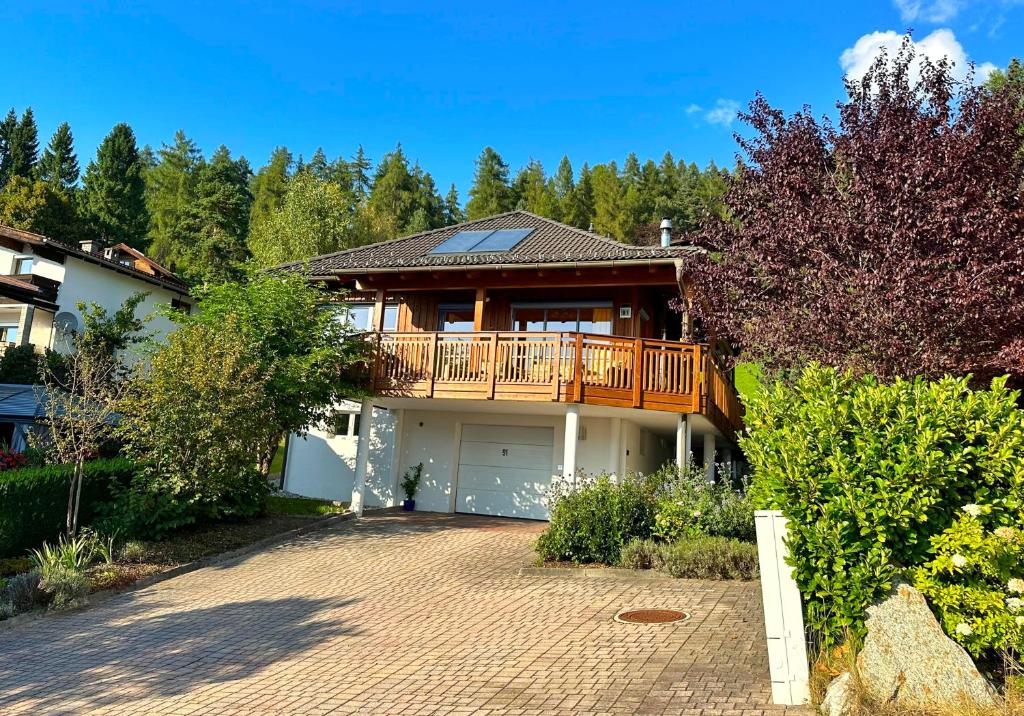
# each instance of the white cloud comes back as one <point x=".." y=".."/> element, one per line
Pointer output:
<point x="934" y="11"/>
<point x="856" y="60"/>
<point x="722" y="114"/>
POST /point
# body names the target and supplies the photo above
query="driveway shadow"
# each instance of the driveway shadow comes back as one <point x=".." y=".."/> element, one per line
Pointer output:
<point x="110" y="655"/>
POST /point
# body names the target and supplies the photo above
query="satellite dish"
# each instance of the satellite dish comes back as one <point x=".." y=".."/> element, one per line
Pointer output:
<point x="66" y="323"/>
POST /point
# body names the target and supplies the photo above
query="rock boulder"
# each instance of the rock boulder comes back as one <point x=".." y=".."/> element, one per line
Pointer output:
<point x="909" y="661"/>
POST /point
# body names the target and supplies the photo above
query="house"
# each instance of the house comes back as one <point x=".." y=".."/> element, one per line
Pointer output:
<point x="511" y="354"/>
<point x="42" y="280"/>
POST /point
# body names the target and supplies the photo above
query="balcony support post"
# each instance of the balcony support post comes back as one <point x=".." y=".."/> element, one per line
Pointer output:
<point x="709" y="456"/>
<point x="572" y="432"/>
<point x="362" y="457"/>
<point x="684" y="437"/>
<point x="478" y="309"/>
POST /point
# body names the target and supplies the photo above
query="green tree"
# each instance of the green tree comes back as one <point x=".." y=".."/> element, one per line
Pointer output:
<point x="83" y="393"/>
<point x="58" y="166"/>
<point x="198" y="455"/>
<point x="581" y="212"/>
<point x="308" y="360"/>
<point x="453" y="213"/>
<point x="490" y="193"/>
<point x="564" y="186"/>
<point x="534" y="192"/>
<point x="170" y="190"/>
<point x="359" y="168"/>
<point x="315" y="218"/>
<point x="270" y="185"/>
<point x="210" y="237"/>
<point x="19" y="141"/>
<point x="608" y="200"/>
<point x="395" y="195"/>
<point x="39" y="207"/>
<point x="114" y="192"/>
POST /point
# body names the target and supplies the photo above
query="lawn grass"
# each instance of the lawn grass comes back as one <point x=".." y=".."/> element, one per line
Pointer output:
<point x="281" y="505"/>
<point x="277" y="463"/>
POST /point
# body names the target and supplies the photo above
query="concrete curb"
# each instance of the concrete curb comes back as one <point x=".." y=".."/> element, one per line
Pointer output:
<point x="619" y="573"/>
<point x="102" y="596"/>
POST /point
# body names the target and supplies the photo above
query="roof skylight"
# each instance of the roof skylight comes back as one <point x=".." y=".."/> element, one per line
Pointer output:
<point x="482" y="241"/>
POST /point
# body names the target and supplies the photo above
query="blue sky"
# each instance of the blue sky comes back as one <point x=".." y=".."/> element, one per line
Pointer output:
<point x="591" y="80"/>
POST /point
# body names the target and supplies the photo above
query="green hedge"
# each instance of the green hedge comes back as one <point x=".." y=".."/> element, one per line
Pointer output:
<point x="868" y="473"/>
<point x="34" y="500"/>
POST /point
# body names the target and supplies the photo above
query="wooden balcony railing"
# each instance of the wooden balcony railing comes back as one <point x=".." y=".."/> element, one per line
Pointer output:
<point x="566" y="367"/>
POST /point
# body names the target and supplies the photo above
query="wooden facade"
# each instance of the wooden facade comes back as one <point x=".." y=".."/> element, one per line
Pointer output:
<point x="642" y="362"/>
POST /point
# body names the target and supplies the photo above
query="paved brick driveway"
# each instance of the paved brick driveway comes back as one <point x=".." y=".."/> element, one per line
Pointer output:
<point x="393" y="615"/>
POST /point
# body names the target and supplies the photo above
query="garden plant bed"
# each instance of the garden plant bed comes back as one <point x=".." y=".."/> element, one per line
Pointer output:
<point x="192" y="548"/>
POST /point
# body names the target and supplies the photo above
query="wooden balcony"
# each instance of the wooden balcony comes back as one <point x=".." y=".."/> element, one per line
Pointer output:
<point x="562" y="367"/>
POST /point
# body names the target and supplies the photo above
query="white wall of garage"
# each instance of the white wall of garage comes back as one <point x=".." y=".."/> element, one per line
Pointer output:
<point x="321" y="465"/>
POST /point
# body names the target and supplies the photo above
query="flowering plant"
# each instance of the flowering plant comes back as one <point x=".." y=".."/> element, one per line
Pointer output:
<point x="975" y="580"/>
<point x="11" y="460"/>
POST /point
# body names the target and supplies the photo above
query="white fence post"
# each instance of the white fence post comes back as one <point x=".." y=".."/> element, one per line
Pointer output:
<point x="783" y="612"/>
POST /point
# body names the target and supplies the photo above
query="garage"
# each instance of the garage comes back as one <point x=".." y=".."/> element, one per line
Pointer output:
<point x="505" y="470"/>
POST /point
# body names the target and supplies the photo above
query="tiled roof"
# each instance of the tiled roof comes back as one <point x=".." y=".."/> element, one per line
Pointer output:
<point x="169" y="281"/>
<point x="549" y="242"/>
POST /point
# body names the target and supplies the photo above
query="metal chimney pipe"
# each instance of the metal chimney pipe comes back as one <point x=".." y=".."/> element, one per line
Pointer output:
<point x="666" y="232"/>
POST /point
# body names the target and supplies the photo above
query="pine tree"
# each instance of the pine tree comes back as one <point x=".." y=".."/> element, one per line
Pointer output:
<point x="394" y="197"/>
<point x="430" y="210"/>
<point x="359" y="169"/>
<point x="453" y="213"/>
<point x="581" y="213"/>
<point x="8" y="133"/>
<point x="20" y="143"/>
<point x="59" y="164"/>
<point x="270" y="185"/>
<point x="170" y="191"/>
<point x="608" y="196"/>
<point x="114" y="192"/>
<point x="490" y="193"/>
<point x="631" y="170"/>
<point x="534" y="192"/>
<point x="211" y="234"/>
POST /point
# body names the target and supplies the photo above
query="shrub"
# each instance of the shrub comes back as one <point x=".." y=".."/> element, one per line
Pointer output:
<point x="975" y="581"/>
<point x="594" y="521"/>
<point x="711" y="558"/>
<point x="33" y="500"/>
<point x="67" y="586"/>
<point x="641" y="554"/>
<point x="11" y="460"/>
<point x="22" y="591"/>
<point x="411" y="481"/>
<point x="200" y="453"/>
<point x="133" y="551"/>
<point x="7" y="610"/>
<point x="14" y="565"/>
<point x="867" y="473"/>
<point x="691" y="506"/>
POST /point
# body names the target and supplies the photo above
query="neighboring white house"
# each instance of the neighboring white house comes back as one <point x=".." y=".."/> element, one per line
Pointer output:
<point x="512" y="355"/>
<point x="42" y="281"/>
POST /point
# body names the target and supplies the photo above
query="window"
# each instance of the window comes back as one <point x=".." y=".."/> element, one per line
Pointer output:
<point x="360" y="316"/>
<point x="567" y="317"/>
<point x="456" y="318"/>
<point x="9" y="333"/>
<point x="344" y="424"/>
<point x="23" y="265"/>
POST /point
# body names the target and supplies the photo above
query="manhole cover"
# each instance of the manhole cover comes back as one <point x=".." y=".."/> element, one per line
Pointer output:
<point x="651" y="616"/>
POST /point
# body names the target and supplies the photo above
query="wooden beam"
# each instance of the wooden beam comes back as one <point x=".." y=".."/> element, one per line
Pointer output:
<point x="378" y="310"/>
<point x="657" y="275"/>
<point x="478" y="309"/>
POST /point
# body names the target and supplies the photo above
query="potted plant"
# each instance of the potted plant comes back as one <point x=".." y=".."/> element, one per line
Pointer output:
<point x="411" y="483"/>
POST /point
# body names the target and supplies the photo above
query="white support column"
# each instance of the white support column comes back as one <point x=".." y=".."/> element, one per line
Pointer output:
<point x="572" y="432"/>
<point x="396" y="457"/>
<point x="709" y="456"/>
<point x="362" y="457"/>
<point x="25" y="329"/>
<point x="727" y="461"/>
<point x="684" y="438"/>
<point x="615" y="448"/>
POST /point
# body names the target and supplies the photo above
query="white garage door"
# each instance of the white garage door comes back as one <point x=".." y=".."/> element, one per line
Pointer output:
<point x="505" y="470"/>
